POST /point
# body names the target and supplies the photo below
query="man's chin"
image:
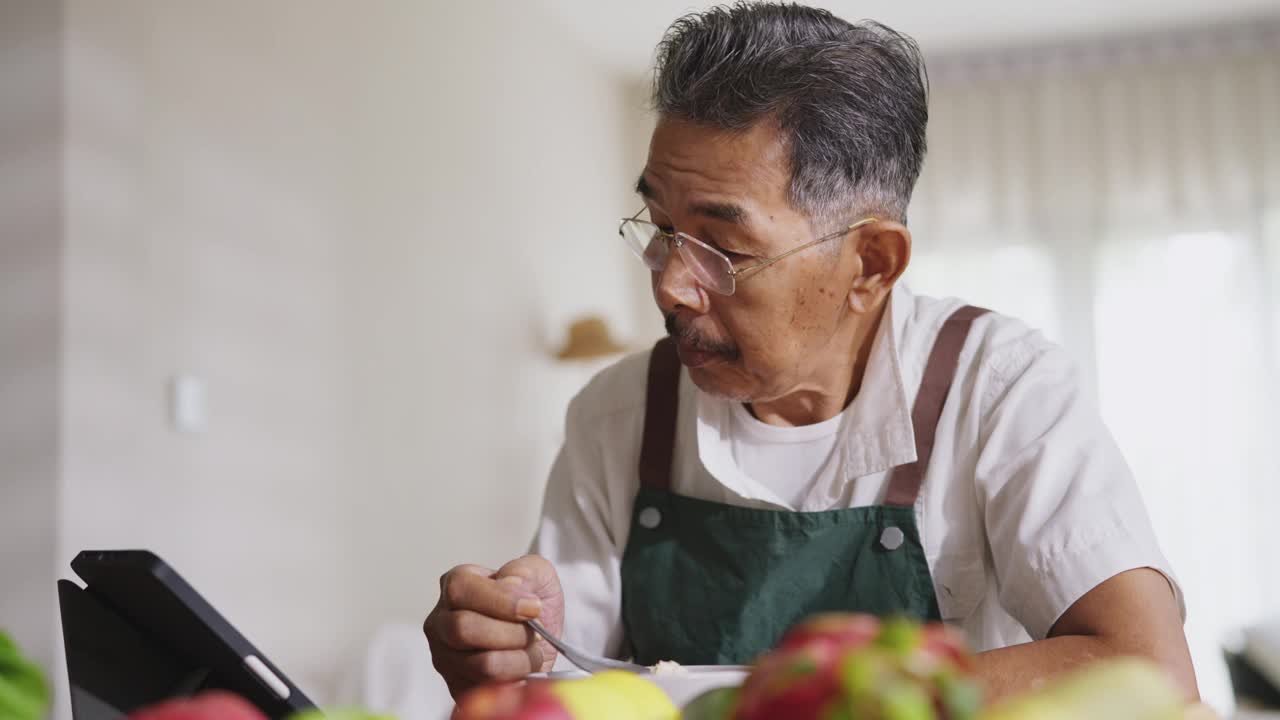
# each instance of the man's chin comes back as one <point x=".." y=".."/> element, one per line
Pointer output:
<point x="717" y="380"/>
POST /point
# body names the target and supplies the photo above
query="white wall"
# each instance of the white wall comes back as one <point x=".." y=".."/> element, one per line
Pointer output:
<point x="491" y="170"/>
<point x="203" y="220"/>
<point x="366" y="232"/>
<point x="30" y="253"/>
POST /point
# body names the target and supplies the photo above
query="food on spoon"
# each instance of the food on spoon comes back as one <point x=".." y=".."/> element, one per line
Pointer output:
<point x="609" y="695"/>
<point x="667" y="667"/>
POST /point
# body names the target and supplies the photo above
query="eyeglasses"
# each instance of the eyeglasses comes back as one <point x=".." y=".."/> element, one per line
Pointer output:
<point x="709" y="266"/>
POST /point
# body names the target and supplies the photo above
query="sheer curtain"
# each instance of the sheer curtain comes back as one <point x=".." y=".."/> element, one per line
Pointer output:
<point x="1125" y="198"/>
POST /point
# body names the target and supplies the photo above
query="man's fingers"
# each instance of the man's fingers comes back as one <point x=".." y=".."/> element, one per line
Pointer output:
<point x="536" y="574"/>
<point x="469" y="569"/>
<point x="469" y="630"/>
<point x="501" y="665"/>
<point x="465" y="590"/>
<point x="477" y="632"/>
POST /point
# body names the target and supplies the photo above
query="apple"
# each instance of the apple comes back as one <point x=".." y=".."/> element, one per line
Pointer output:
<point x="610" y="695"/>
<point x="532" y="700"/>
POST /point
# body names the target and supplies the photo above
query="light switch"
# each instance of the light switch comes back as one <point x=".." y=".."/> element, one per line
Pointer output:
<point x="187" y="404"/>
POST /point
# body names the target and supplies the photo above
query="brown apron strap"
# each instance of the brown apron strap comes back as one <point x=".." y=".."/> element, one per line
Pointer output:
<point x="661" y="403"/>
<point x="939" y="372"/>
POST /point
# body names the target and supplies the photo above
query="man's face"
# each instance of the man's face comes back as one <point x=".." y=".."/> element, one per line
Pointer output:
<point x="730" y="191"/>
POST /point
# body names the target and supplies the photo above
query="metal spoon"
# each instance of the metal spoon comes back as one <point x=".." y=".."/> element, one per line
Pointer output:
<point x="585" y="660"/>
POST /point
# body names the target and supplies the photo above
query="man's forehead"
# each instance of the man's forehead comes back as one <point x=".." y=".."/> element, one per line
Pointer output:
<point x="696" y="164"/>
<point x="726" y="211"/>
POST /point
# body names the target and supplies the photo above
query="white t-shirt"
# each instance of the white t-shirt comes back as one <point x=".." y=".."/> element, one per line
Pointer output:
<point x="787" y="460"/>
<point x="1027" y="503"/>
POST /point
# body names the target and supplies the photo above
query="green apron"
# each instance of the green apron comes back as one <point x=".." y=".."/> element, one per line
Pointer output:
<point x="705" y="583"/>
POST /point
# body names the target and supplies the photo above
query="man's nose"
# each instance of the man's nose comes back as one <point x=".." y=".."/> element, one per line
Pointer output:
<point x="675" y="286"/>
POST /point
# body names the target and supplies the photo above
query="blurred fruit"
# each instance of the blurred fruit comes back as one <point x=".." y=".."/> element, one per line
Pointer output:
<point x="527" y="701"/>
<point x="715" y="704"/>
<point x="850" y="667"/>
<point x="24" y="695"/>
<point x="210" y="705"/>
<point x="799" y="682"/>
<point x="843" y="629"/>
<point x="1199" y="711"/>
<point x="614" y="694"/>
<point x="611" y="695"/>
<point x="1120" y="689"/>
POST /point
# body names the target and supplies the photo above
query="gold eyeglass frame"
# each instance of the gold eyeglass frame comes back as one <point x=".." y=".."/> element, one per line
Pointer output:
<point x="735" y="274"/>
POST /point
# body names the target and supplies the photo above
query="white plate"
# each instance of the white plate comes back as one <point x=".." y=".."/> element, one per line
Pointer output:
<point x="681" y="687"/>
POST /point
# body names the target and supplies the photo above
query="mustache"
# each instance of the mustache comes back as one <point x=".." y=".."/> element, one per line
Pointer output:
<point x="682" y="332"/>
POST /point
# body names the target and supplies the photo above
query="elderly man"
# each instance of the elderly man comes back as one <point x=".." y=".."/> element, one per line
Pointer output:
<point x="812" y="436"/>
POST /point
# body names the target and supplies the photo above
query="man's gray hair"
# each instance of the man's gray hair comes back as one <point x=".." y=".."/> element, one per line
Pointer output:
<point x="851" y="99"/>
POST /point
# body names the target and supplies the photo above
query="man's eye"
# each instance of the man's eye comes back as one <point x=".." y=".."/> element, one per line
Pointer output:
<point x="728" y="253"/>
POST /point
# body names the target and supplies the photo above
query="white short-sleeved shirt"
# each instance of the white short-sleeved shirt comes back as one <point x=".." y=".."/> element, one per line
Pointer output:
<point x="1027" y="503"/>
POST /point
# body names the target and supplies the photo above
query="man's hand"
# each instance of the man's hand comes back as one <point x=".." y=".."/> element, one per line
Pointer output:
<point x="477" y="631"/>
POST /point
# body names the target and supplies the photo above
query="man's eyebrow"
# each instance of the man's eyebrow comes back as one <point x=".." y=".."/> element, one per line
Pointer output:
<point x="727" y="212"/>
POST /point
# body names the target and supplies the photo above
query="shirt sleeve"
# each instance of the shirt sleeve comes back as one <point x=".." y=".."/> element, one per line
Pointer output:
<point x="1063" y="513"/>
<point x="576" y="535"/>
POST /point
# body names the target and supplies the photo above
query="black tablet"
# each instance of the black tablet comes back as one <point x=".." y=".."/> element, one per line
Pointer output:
<point x="138" y="634"/>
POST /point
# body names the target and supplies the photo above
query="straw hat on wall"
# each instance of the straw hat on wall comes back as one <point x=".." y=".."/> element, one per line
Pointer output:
<point x="589" y="337"/>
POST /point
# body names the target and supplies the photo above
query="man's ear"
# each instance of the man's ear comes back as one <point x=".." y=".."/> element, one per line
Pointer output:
<point x="884" y="249"/>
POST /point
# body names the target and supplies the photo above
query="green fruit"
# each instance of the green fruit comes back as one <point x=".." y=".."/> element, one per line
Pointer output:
<point x="863" y="673"/>
<point x="801" y="667"/>
<point x="906" y="701"/>
<point x="24" y="695"/>
<point x="961" y="698"/>
<point x="839" y="712"/>
<point x="899" y="634"/>
<point x="715" y="704"/>
<point x="615" y="695"/>
<point x="1121" y="689"/>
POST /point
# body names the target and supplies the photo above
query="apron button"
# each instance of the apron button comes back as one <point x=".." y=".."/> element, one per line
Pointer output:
<point x="892" y="538"/>
<point x="650" y="518"/>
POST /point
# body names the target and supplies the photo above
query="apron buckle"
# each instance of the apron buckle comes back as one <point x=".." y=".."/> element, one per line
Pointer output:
<point x="892" y="538"/>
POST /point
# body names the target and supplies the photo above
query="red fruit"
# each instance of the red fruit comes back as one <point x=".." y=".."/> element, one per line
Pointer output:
<point x="512" y="701"/>
<point x="210" y="705"/>
<point x="488" y="701"/>
<point x="845" y="630"/>
<point x="795" y="683"/>
<point x="948" y="643"/>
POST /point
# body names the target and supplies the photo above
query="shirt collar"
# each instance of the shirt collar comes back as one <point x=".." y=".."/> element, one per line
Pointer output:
<point x="876" y="434"/>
